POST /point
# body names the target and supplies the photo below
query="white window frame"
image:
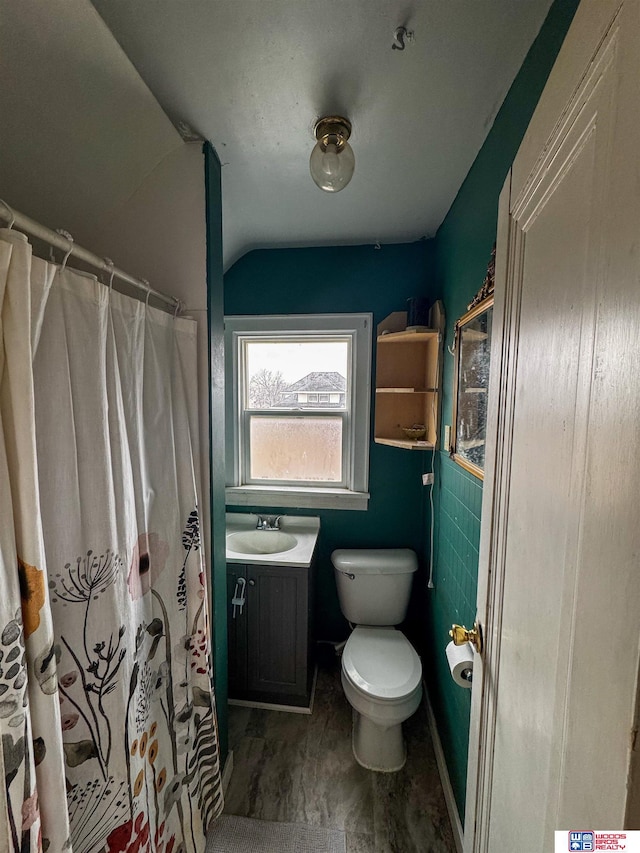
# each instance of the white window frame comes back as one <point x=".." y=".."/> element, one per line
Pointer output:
<point x="353" y="494"/>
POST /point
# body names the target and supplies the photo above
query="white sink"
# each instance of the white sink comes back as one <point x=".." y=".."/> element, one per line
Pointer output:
<point x="260" y="542"/>
<point x="293" y="545"/>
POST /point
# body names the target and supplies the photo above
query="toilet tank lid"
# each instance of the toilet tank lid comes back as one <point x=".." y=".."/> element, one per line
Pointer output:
<point x="375" y="561"/>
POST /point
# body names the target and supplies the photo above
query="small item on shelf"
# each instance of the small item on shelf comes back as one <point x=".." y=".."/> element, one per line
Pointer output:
<point x="415" y="432"/>
<point x="418" y="312"/>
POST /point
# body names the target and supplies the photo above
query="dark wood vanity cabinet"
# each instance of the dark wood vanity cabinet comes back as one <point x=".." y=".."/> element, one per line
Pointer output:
<point x="270" y="640"/>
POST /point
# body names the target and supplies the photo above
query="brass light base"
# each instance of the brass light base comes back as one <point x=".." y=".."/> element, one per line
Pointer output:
<point x="332" y="129"/>
<point x="461" y="635"/>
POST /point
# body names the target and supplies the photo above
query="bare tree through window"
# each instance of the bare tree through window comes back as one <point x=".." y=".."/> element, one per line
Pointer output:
<point x="266" y="388"/>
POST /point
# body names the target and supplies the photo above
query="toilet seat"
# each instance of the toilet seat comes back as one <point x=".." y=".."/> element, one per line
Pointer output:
<point x="382" y="663"/>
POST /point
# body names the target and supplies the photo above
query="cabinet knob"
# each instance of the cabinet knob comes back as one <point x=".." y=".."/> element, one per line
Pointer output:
<point x="252" y="583"/>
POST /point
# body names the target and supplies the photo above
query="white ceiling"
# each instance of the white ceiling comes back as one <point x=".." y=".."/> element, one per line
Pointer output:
<point x="253" y="76"/>
<point x="80" y="131"/>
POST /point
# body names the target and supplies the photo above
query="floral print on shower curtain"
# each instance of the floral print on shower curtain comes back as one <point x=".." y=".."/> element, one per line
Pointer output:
<point x="134" y="723"/>
<point x="33" y="813"/>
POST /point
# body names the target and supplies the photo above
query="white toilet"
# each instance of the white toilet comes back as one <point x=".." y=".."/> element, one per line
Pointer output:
<point x="381" y="671"/>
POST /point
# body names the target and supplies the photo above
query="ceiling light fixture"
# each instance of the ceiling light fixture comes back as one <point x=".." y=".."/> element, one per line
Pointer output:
<point x="332" y="160"/>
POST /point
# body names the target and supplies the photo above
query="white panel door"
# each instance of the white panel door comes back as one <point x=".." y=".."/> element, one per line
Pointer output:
<point x="559" y="593"/>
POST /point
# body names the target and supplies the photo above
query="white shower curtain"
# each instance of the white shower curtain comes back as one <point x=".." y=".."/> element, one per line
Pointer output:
<point x="109" y="595"/>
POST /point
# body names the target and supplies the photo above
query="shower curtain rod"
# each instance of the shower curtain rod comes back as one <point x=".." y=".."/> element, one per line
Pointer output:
<point x="64" y="242"/>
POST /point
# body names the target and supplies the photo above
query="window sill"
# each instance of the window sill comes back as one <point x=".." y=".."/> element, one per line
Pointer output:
<point x="289" y="496"/>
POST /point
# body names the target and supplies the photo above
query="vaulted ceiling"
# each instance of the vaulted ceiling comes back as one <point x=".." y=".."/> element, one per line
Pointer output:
<point x="252" y="76"/>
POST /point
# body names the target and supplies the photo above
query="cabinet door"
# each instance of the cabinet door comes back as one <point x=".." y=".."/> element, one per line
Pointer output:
<point x="277" y="627"/>
<point x="237" y="634"/>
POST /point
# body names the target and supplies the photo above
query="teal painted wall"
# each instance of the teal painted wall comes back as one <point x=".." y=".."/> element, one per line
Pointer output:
<point x="215" y="315"/>
<point x="335" y="280"/>
<point x="462" y="248"/>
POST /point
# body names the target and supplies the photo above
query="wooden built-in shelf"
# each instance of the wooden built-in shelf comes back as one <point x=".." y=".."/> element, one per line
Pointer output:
<point x="405" y="443"/>
<point x="407" y="379"/>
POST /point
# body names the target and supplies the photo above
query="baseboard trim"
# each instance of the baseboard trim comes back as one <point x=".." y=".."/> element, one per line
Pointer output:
<point x="228" y="770"/>
<point x="272" y="706"/>
<point x="452" y="808"/>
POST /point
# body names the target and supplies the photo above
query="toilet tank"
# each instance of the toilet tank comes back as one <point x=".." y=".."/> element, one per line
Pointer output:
<point x="374" y="585"/>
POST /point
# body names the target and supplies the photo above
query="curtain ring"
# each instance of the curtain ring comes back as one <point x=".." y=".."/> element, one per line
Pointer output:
<point x="112" y="272"/>
<point x="69" y="238"/>
<point x="148" y="286"/>
<point x="178" y="308"/>
<point x="12" y="216"/>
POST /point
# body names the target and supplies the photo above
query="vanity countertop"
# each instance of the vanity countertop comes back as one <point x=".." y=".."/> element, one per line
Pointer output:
<point x="305" y="529"/>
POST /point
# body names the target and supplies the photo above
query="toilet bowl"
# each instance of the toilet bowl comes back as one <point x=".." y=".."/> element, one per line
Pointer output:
<point x="381" y="671"/>
<point x="381" y="678"/>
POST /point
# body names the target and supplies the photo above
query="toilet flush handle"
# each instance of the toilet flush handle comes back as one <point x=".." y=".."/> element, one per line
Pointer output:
<point x="350" y="575"/>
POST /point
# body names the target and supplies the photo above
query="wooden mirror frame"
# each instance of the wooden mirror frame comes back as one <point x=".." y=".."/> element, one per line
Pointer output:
<point x="477" y="309"/>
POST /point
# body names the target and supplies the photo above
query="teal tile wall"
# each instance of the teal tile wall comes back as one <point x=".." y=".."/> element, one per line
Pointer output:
<point x="457" y="499"/>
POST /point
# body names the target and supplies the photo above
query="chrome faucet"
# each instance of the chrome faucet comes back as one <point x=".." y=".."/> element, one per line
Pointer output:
<point x="268" y="522"/>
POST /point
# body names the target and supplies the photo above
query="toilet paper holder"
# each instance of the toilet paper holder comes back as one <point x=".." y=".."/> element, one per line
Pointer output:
<point x="461" y="635"/>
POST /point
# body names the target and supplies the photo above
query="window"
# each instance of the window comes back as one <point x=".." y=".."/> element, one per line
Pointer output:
<point x="298" y="403"/>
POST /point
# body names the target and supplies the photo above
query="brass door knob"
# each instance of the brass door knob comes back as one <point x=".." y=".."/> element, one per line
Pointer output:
<point x="461" y="635"/>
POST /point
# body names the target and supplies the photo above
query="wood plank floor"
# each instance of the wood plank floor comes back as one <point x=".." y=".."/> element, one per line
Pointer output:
<point x="300" y="768"/>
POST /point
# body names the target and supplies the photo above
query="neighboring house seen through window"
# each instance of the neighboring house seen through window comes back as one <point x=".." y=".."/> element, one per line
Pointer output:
<point x="298" y="398"/>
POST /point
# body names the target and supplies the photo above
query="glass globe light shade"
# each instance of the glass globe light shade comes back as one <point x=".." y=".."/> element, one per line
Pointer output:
<point x="332" y="166"/>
